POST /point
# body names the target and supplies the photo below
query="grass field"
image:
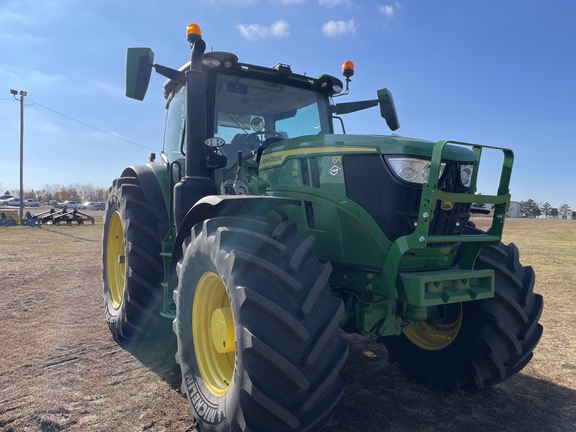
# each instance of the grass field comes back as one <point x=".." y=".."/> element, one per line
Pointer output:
<point x="549" y="246"/>
<point x="51" y="308"/>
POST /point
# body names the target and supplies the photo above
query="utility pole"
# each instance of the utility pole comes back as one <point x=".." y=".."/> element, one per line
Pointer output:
<point x="23" y="94"/>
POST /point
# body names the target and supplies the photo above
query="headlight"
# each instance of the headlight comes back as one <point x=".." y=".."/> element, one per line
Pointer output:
<point x="418" y="170"/>
<point x="412" y="170"/>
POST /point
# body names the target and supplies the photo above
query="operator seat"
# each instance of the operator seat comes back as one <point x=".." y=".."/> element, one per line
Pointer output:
<point x="239" y="143"/>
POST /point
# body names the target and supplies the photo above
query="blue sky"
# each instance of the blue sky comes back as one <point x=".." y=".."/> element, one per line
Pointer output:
<point x="494" y="72"/>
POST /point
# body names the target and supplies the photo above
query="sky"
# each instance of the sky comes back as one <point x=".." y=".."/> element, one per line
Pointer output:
<point x="496" y="72"/>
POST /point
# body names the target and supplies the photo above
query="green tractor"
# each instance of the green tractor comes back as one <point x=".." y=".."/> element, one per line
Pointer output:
<point x="261" y="233"/>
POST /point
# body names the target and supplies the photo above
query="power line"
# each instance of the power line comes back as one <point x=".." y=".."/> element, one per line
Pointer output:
<point x="142" y="147"/>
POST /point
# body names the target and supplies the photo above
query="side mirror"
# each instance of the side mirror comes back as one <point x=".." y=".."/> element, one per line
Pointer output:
<point x="388" y="109"/>
<point x="139" y="62"/>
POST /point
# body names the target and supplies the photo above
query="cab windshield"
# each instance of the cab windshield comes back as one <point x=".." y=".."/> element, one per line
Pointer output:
<point x="248" y="112"/>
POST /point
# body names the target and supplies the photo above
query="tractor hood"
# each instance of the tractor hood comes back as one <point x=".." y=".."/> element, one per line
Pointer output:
<point x="338" y="144"/>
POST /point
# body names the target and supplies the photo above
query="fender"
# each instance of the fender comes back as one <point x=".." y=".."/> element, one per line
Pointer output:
<point x="154" y="179"/>
<point x="217" y="206"/>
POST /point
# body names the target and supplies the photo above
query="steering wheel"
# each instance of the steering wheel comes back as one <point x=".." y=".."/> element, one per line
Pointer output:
<point x="255" y="141"/>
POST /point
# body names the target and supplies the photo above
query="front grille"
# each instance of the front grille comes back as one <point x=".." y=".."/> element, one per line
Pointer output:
<point x="394" y="204"/>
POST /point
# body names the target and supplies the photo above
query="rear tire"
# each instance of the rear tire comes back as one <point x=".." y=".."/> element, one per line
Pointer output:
<point x="489" y="342"/>
<point x="257" y="328"/>
<point x="132" y="270"/>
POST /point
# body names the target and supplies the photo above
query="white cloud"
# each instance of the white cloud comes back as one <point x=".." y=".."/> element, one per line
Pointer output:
<point x="31" y="12"/>
<point x="234" y="2"/>
<point x="37" y="78"/>
<point x="332" y="3"/>
<point x="389" y="10"/>
<point x="279" y="29"/>
<point x="339" y="28"/>
<point x="18" y="16"/>
<point x="12" y="17"/>
<point x="113" y="90"/>
<point x="249" y="2"/>
<point x="8" y="72"/>
<point x="289" y="2"/>
<point x="11" y="38"/>
<point x="32" y="78"/>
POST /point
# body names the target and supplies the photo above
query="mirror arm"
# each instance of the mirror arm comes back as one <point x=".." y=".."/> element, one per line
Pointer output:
<point x="170" y="73"/>
<point x="349" y="107"/>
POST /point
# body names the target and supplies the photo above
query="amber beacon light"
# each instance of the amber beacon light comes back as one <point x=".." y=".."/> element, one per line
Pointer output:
<point x="348" y="69"/>
<point x="193" y="32"/>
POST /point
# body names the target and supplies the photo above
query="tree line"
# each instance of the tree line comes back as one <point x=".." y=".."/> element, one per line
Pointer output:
<point x="60" y="193"/>
<point x="87" y="192"/>
<point x="531" y="208"/>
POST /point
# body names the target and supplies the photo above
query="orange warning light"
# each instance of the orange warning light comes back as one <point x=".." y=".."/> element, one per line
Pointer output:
<point x="193" y="32"/>
<point x="348" y="69"/>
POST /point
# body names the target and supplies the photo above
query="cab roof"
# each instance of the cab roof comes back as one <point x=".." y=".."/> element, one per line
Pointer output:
<point x="215" y="62"/>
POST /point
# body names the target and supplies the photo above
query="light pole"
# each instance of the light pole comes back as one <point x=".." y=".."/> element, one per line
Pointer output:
<point x="23" y="94"/>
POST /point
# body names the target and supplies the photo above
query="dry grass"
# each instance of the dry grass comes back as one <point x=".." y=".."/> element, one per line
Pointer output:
<point x="549" y="246"/>
<point x="60" y="369"/>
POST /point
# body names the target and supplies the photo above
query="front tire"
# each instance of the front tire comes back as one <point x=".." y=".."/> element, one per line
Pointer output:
<point x="132" y="270"/>
<point x="257" y="328"/>
<point x="482" y="342"/>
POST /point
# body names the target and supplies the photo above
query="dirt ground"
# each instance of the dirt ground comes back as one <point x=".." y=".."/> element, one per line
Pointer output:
<point x="60" y="369"/>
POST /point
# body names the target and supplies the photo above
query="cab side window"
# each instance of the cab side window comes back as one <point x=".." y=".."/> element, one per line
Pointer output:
<point x="175" y="121"/>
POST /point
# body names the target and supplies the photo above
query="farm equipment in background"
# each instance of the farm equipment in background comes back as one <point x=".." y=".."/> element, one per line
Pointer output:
<point x="65" y="215"/>
<point x="52" y="216"/>
<point x="9" y="218"/>
<point x="30" y="220"/>
<point x="261" y="232"/>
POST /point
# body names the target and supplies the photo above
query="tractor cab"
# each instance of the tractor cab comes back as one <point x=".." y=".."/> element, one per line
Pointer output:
<point x="247" y="111"/>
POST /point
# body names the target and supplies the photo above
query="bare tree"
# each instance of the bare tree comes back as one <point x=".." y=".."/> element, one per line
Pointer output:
<point x="76" y="192"/>
<point x="86" y="192"/>
<point x="49" y="191"/>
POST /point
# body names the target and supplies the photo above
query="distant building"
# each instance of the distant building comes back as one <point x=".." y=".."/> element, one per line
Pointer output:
<point x="514" y="211"/>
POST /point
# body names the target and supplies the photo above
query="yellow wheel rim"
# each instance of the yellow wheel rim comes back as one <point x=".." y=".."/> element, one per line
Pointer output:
<point x="213" y="332"/>
<point x="115" y="260"/>
<point x="433" y="337"/>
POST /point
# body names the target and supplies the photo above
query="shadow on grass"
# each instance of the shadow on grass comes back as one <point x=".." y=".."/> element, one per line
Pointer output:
<point x="58" y="231"/>
<point x="380" y="398"/>
<point x="156" y="352"/>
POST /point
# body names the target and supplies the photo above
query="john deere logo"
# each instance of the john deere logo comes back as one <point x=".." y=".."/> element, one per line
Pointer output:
<point x="334" y="170"/>
<point x="447" y="205"/>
